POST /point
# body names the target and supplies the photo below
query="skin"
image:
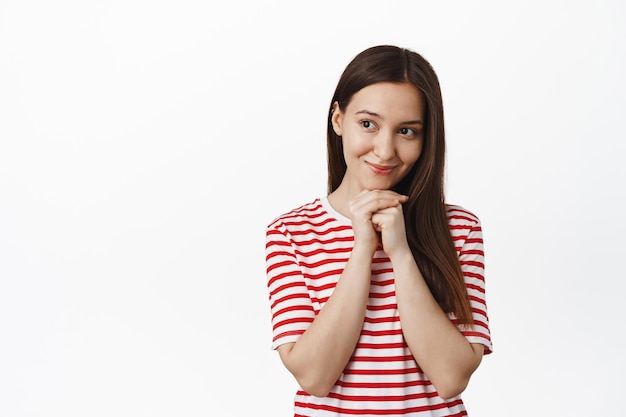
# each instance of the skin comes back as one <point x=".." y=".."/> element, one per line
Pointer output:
<point x="382" y="134"/>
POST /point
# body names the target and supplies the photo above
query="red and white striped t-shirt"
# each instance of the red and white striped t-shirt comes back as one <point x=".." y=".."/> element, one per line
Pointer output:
<point x="306" y="252"/>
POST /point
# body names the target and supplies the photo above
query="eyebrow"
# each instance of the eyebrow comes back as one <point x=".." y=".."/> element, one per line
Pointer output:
<point x="374" y="114"/>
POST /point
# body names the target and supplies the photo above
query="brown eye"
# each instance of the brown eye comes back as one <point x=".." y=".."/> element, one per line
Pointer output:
<point x="367" y="124"/>
<point x="407" y="131"/>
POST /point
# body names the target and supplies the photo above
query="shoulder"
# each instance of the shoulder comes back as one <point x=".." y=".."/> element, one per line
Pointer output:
<point x="299" y="215"/>
<point x="459" y="215"/>
<point x="463" y="223"/>
<point x="464" y="226"/>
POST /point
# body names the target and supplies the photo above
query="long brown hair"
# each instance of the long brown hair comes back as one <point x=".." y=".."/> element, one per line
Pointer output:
<point x="425" y="212"/>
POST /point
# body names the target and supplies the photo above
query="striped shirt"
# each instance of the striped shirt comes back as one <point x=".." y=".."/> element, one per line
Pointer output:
<point x="306" y="252"/>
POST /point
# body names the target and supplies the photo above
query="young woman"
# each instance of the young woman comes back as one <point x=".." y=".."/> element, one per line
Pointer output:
<point x="377" y="290"/>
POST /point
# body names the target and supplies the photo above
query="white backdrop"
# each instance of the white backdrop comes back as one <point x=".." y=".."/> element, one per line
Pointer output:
<point x="145" y="145"/>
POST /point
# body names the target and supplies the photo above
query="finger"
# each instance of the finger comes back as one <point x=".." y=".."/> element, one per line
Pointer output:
<point x="374" y="205"/>
<point x="387" y="216"/>
<point x="373" y="194"/>
<point x="376" y="200"/>
<point x="390" y="210"/>
<point x="383" y="194"/>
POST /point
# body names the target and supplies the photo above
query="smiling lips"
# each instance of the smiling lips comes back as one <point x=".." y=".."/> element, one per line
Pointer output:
<point x="381" y="169"/>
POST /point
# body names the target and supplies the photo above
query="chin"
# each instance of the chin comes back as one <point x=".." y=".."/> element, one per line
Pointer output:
<point x="379" y="185"/>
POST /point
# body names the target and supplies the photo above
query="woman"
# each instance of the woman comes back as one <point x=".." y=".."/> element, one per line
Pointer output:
<point x="377" y="290"/>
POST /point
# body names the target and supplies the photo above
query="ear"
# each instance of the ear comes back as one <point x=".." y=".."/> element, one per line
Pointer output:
<point x="336" y="118"/>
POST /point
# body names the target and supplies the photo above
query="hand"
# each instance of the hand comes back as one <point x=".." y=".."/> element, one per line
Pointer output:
<point x="390" y="223"/>
<point x="379" y="204"/>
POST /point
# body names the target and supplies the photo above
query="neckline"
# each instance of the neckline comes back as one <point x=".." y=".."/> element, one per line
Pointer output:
<point x="334" y="213"/>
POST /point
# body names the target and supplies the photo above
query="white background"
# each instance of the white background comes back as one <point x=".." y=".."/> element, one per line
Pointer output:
<point x="145" y="145"/>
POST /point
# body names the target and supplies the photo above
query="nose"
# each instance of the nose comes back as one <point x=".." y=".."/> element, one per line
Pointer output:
<point x="384" y="147"/>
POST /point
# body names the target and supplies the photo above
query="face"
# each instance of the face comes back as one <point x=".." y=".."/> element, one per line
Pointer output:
<point x="382" y="130"/>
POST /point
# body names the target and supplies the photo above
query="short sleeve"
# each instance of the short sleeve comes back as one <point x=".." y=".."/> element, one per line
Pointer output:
<point x="472" y="259"/>
<point x="291" y="307"/>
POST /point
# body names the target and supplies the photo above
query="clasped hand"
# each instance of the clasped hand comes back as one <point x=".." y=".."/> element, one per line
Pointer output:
<point x="379" y="211"/>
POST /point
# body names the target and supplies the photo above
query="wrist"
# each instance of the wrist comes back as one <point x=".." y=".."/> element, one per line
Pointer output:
<point x="362" y="252"/>
<point x="401" y="255"/>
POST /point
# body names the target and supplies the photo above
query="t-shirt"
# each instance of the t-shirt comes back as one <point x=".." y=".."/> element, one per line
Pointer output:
<point x="306" y="252"/>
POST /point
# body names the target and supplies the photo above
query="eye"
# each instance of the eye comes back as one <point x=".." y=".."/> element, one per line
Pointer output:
<point x="407" y="131"/>
<point x="368" y="124"/>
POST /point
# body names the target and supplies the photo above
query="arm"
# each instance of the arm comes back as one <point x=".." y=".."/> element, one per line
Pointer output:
<point x="443" y="353"/>
<point x="441" y="350"/>
<point x="319" y="356"/>
<point x="321" y="353"/>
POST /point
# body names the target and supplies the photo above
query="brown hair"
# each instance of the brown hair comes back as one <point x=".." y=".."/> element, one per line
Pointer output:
<point x="425" y="212"/>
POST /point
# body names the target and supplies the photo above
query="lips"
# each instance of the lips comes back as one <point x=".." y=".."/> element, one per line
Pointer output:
<point x="381" y="169"/>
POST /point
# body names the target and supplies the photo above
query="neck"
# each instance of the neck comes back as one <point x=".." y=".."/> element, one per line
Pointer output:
<point x="340" y="198"/>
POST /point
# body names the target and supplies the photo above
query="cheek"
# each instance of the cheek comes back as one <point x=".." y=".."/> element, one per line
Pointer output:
<point x="349" y="151"/>
<point x="354" y="146"/>
<point x="412" y="152"/>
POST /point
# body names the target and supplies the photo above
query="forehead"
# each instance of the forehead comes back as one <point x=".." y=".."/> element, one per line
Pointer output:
<point x="398" y="100"/>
